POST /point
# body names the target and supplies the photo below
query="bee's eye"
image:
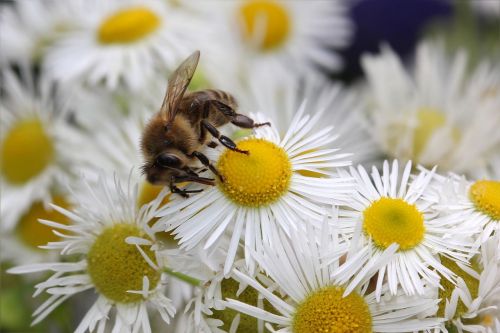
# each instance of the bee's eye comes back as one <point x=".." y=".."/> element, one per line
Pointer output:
<point x="168" y="160"/>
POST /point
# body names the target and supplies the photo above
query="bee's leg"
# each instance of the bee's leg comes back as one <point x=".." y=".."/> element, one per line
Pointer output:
<point x="224" y="140"/>
<point x="182" y="192"/>
<point x="212" y="144"/>
<point x="236" y="118"/>
<point x="204" y="160"/>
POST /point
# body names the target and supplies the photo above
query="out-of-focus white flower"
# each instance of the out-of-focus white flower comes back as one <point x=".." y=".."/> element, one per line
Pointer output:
<point x="436" y="113"/>
<point x="122" y="43"/>
<point x="36" y="146"/>
<point x="395" y="231"/>
<point x="282" y="180"/>
<point x="119" y="262"/>
<point x="315" y="302"/>
<point x="276" y="35"/>
<point x="27" y="28"/>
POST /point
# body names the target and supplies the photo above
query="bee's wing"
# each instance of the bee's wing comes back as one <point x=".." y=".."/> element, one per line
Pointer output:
<point x="177" y="85"/>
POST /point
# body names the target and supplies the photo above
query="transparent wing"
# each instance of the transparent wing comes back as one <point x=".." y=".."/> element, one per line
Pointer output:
<point x="177" y="85"/>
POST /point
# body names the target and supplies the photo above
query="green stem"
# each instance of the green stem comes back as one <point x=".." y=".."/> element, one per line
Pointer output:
<point x="186" y="278"/>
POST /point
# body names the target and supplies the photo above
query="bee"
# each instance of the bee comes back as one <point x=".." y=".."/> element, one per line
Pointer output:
<point x="173" y="139"/>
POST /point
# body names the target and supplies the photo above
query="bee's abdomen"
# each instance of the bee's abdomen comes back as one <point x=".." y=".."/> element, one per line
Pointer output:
<point x="222" y="96"/>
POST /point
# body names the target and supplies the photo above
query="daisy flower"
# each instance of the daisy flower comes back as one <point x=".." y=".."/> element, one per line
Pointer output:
<point x="125" y="277"/>
<point x="280" y="181"/>
<point x="474" y="203"/>
<point x="276" y="34"/>
<point x="29" y="27"/>
<point x="121" y="43"/>
<point x="436" y="113"/>
<point x="473" y="304"/>
<point x="392" y="210"/>
<point x="36" y="145"/>
<point x="315" y="302"/>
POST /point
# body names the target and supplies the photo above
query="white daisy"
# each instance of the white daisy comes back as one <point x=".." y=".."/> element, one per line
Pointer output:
<point x="36" y="144"/>
<point x="315" y="302"/>
<point x="488" y="8"/>
<point x="473" y="304"/>
<point x="125" y="277"/>
<point x="276" y="35"/>
<point x="29" y="27"/>
<point x="121" y="43"/>
<point x="277" y="183"/>
<point x="472" y="203"/>
<point x="436" y="113"/>
<point x="390" y="220"/>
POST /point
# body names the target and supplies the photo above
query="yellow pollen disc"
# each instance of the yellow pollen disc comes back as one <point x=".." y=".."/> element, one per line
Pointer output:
<point x="128" y="25"/>
<point x="229" y="288"/>
<point x="26" y="151"/>
<point x="34" y="233"/>
<point x="266" y="20"/>
<point x="115" y="266"/>
<point x="257" y="179"/>
<point x="326" y="310"/>
<point x="448" y="287"/>
<point x="485" y="194"/>
<point x="390" y="220"/>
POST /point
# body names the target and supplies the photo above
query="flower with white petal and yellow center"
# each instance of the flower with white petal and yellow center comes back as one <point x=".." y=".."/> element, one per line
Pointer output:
<point x="313" y="301"/>
<point x="471" y="203"/>
<point x="396" y="231"/>
<point x="36" y="145"/>
<point x="276" y="34"/>
<point x="264" y="190"/>
<point x="122" y="44"/>
<point x="112" y="234"/>
<point x="434" y="113"/>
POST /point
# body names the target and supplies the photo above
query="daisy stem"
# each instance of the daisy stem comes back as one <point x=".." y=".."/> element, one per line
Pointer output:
<point x="186" y="278"/>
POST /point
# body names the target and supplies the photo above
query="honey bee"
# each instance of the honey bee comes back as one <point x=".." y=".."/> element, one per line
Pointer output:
<point x="173" y="139"/>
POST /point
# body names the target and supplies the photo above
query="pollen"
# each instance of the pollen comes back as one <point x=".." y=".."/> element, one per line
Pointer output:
<point x="265" y="22"/>
<point x="115" y="266"/>
<point x="447" y="287"/>
<point x="27" y="150"/>
<point x="229" y="289"/>
<point x="485" y="194"/>
<point x="33" y="233"/>
<point x="128" y="26"/>
<point x="390" y="220"/>
<point x="257" y="179"/>
<point x="326" y="310"/>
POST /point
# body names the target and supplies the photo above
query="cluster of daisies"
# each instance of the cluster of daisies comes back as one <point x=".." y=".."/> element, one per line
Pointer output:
<point x="370" y="208"/>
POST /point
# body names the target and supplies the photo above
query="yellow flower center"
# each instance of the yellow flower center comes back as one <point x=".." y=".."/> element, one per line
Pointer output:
<point x="257" y="179"/>
<point x="326" y="310"/>
<point x="448" y="287"/>
<point x="390" y="220"/>
<point x="27" y="150"/>
<point x="128" y="26"/>
<point x="229" y="288"/>
<point x="34" y="233"/>
<point x="265" y="22"/>
<point x="485" y="194"/>
<point x="429" y="120"/>
<point x="115" y="266"/>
